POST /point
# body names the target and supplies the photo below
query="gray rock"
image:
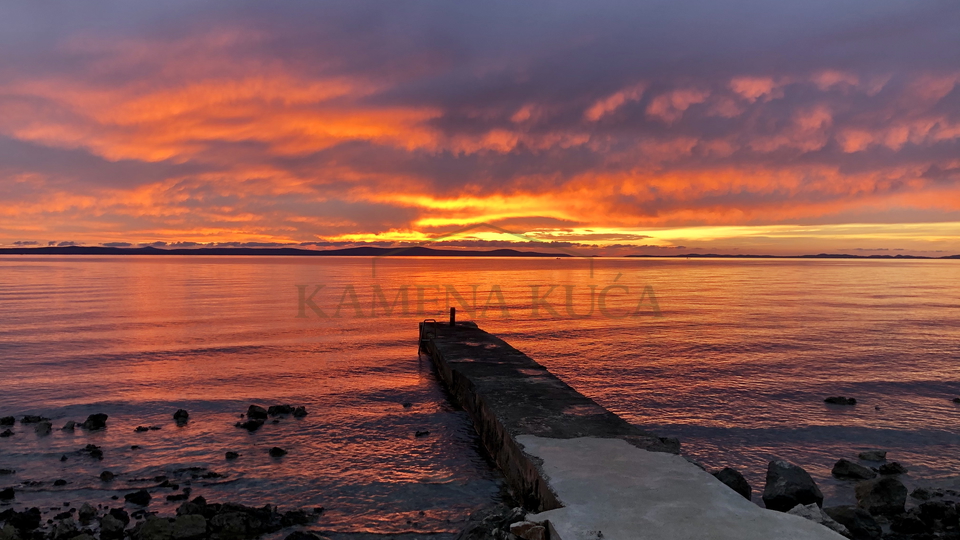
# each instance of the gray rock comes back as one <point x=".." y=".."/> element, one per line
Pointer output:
<point x="883" y="496"/>
<point x="43" y="428"/>
<point x="9" y="532"/>
<point x="86" y="513"/>
<point x="66" y="528"/>
<point x="816" y="515"/>
<point x="156" y="529"/>
<point x="69" y="426"/>
<point x="873" y="455"/>
<point x="789" y="485"/>
<point x="110" y="527"/>
<point x="231" y="525"/>
<point x="189" y="526"/>
<point x="859" y="522"/>
<point x="735" y="481"/>
<point x="848" y="469"/>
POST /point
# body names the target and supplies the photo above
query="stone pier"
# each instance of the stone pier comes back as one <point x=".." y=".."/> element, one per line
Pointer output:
<point x="588" y="472"/>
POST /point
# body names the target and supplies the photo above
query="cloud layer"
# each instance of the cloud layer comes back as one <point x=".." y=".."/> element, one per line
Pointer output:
<point x="129" y="122"/>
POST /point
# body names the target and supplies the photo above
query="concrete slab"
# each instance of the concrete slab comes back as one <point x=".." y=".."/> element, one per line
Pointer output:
<point x="612" y="490"/>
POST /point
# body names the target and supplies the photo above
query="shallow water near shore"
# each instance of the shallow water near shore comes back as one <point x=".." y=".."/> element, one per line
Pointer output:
<point x="736" y="366"/>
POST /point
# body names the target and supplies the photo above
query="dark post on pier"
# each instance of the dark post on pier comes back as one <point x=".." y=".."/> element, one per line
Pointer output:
<point x="582" y="467"/>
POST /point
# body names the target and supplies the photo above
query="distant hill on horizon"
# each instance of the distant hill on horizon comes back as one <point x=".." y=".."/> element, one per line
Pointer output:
<point x="365" y="251"/>
<point x="413" y="251"/>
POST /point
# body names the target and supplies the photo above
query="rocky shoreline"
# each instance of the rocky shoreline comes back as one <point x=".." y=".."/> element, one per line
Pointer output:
<point x="132" y="518"/>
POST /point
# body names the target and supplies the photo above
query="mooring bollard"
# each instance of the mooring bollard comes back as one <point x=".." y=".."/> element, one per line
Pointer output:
<point x="453" y="317"/>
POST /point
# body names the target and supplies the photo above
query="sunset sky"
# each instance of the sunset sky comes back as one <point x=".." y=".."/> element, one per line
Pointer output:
<point x="660" y="127"/>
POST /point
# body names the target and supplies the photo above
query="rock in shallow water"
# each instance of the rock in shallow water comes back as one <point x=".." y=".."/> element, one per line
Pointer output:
<point x="883" y="496"/>
<point x="789" y="485"/>
<point x="141" y="497"/>
<point x="250" y="425"/>
<point x="43" y="428"/>
<point x="892" y="468"/>
<point x="276" y="451"/>
<point x="95" y="421"/>
<point x="848" y="469"/>
<point x="232" y="455"/>
<point x="257" y="412"/>
<point x="840" y="400"/>
<point x="181" y="416"/>
<point x="873" y="455"/>
<point x="304" y="535"/>
<point x="735" y="481"/>
<point x="7" y="421"/>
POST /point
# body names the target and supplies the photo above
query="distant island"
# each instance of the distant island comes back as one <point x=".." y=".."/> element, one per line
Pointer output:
<point x="412" y="251"/>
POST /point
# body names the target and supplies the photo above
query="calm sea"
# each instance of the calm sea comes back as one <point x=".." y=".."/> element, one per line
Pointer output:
<point x="734" y="357"/>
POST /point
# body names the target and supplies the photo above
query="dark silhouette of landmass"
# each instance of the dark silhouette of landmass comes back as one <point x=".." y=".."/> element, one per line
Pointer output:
<point x="366" y="251"/>
<point x="414" y="251"/>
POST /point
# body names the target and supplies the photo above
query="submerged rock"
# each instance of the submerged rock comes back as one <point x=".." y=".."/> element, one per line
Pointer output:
<point x="95" y="421"/>
<point x="848" y="469"/>
<point x="873" y="455"/>
<point x="232" y="455"/>
<point x="60" y="482"/>
<point x="816" y="515"/>
<point x="840" y="400"/>
<point x="883" y="496"/>
<point x="789" y="485"/>
<point x="735" y="481"/>
<point x="181" y="416"/>
<point x="107" y="476"/>
<point x="250" y="425"/>
<point x="276" y="451"/>
<point x="43" y="428"/>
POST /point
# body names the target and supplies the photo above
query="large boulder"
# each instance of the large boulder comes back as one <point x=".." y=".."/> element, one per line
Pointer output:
<point x="735" y="481"/>
<point x="885" y="496"/>
<point x="789" y="485"/>
<point x="848" y="469"/>
<point x="110" y="527"/>
<point x="859" y="522"/>
<point x="816" y="515"/>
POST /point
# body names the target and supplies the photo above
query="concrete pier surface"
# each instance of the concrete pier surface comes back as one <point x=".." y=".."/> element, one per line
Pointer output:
<point x="588" y="472"/>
